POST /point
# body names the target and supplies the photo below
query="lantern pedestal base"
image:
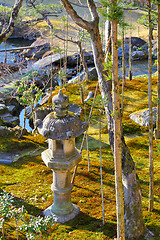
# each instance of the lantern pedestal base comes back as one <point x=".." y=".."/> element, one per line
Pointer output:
<point x="62" y="218"/>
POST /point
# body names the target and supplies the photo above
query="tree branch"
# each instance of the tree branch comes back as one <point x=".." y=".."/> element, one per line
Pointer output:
<point x="9" y="30"/>
<point x="92" y="9"/>
<point x="76" y="18"/>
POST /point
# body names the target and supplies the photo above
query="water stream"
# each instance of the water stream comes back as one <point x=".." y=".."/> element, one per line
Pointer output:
<point x="10" y="44"/>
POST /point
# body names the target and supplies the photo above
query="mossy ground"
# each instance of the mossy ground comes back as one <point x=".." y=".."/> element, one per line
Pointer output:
<point x="29" y="180"/>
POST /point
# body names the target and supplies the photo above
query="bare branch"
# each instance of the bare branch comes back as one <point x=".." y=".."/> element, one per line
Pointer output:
<point x="76" y="18"/>
<point x="93" y="11"/>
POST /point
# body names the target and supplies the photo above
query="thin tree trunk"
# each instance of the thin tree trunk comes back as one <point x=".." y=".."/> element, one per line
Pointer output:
<point x="130" y="62"/>
<point x="3" y="229"/>
<point x="17" y="229"/>
<point x="107" y="38"/>
<point x="101" y="175"/>
<point x="151" y="197"/>
<point x="134" y="225"/>
<point x="157" y="135"/>
<point x="123" y="69"/>
<point x="117" y="135"/>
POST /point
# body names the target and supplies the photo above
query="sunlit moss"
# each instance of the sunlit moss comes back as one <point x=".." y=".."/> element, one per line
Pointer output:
<point x="29" y="180"/>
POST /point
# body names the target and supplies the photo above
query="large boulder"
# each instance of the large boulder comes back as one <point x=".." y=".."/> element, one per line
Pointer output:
<point x="47" y="61"/>
<point x="39" y="47"/>
<point x="82" y="77"/>
<point x="135" y="41"/>
<point x="25" y="32"/>
<point x="142" y="118"/>
<point x="75" y="58"/>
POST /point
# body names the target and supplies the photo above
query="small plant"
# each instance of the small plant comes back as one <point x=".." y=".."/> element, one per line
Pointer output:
<point x="5" y="206"/>
<point x="29" y="95"/>
<point x="17" y="214"/>
<point x="36" y="226"/>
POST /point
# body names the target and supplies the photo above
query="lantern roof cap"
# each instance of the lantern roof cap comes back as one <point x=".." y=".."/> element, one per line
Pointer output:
<point x="61" y="124"/>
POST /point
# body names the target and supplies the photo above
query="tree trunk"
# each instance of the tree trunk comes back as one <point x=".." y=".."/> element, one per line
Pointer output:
<point x="123" y="69"/>
<point x="107" y="38"/>
<point x="130" y="61"/>
<point x="151" y="198"/>
<point x="157" y="135"/>
<point x="134" y="225"/>
<point x="117" y="135"/>
<point x="9" y="30"/>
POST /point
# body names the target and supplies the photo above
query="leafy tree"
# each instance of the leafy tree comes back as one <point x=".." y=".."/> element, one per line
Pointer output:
<point x="153" y="21"/>
<point x="134" y="225"/>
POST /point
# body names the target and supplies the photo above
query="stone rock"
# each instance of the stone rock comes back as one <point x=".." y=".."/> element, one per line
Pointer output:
<point x="90" y="95"/>
<point x="39" y="48"/>
<point x="46" y="61"/>
<point x="10" y="119"/>
<point x="17" y="33"/>
<point x="142" y="118"/>
<point x="139" y="55"/>
<point x="3" y="108"/>
<point x="82" y="77"/>
<point x="25" y="32"/>
<point x="11" y="109"/>
<point x="31" y="34"/>
<point x="135" y="41"/>
<point x="73" y="59"/>
<point x="4" y="131"/>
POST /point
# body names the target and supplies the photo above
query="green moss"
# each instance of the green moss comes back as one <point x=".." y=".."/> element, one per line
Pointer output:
<point x="29" y="180"/>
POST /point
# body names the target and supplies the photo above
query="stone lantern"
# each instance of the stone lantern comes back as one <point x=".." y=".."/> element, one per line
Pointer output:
<point x="61" y="127"/>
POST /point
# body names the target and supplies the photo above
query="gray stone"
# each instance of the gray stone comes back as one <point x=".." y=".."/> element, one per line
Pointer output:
<point x="90" y="95"/>
<point x="31" y="34"/>
<point x="57" y="125"/>
<point x="62" y="218"/>
<point x="4" y="130"/>
<point x="46" y="61"/>
<point x="142" y="117"/>
<point x="11" y="108"/>
<point x="139" y="55"/>
<point x="40" y="47"/>
<point x="3" y="108"/>
<point x="135" y="41"/>
<point x="11" y="120"/>
<point x="5" y="158"/>
<point x="82" y="77"/>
